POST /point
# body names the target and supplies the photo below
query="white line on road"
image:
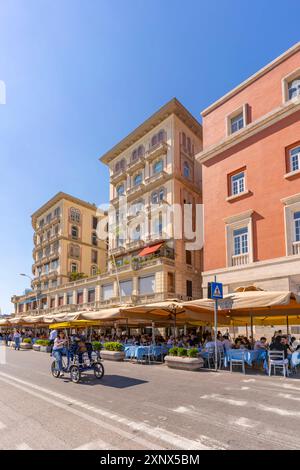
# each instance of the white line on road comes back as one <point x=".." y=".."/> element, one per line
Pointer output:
<point x="280" y="411"/>
<point x="176" y="441"/>
<point x="96" y="445"/>
<point x="222" y="399"/>
<point x="288" y="396"/>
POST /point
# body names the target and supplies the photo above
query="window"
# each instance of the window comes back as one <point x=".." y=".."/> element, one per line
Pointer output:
<point x="49" y="234"/>
<point x="94" y="239"/>
<point x="55" y="246"/>
<point x="56" y="229"/>
<point x="54" y="264"/>
<point x="236" y="123"/>
<point x="74" y="232"/>
<point x="69" y="298"/>
<point x="91" y="295"/>
<point x="161" y="194"/>
<point x="94" y="223"/>
<point x="46" y="285"/>
<point x="161" y="136"/>
<point x="240" y="241"/>
<point x="126" y="288"/>
<point x="120" y="165"/>
<point x="57" y="212"/>
<point x="186" y="170"/>
<point x="47" y="250"/>
<point x="121" y="190"/>
<point x="171" y="282"/>
<point x="40" y="254"/>
<point x="60" y="300"/>
<point x="107" y="291"/>
<point x="94" y="270"/>
<point x="141" y="151"/>
<point x="158" y="138"/>
<point x="189" y="147"/>
<point x="188" y="257"/>
<point x="295" y="159"/>
<point x="294" y="88"/>
<point x="183" y="139"/>
<point x="48" y="218"/>
<point x="297" y="226"/>
<point x="94" y="256"/>
<point x="41" y="224"/>
<point x="136" y="233"/>
<point x="147" y="285"/>
<point x="79" y="297"/>
<point x="54" y="283"/>
<point x="158" y="196"/>
<point x="158" y="167"/>
<point x="137" y="179"/>
<point x="158" y="225"/>
<point x="75" y="215"/>
<point x="74" y="251"/>
<point x="46" y="268"/>
<point x="74" y="268"/>
<point x="238" y="183"/>
<point x="134" y="155"/>
<point x="189" y="288"/>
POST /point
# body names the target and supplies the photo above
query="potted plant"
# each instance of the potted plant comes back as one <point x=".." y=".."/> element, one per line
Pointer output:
<point x="184" y="359"/>
<point x="36" y="345"/>
<point x="113" y="351"/>
<point x="44" y="345"/>
<point x="26" y="344"/>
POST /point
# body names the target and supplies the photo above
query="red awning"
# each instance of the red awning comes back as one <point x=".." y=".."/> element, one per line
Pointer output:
<point x="150" y="249"/>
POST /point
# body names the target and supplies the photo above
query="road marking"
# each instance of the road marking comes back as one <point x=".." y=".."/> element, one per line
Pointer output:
<point x="245" y="422"/>
<point x="288" y="396"/>
<point x="177" y="441"/>
<point x="96" y="445"/>
<point x="249" y="380"/>
<point x="23" y="446"/>
<point x="280" y="411"/>
<point x="221" y="399"/>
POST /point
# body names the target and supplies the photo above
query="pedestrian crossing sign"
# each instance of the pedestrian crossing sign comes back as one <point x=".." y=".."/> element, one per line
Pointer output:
<point x="215" y="290"/>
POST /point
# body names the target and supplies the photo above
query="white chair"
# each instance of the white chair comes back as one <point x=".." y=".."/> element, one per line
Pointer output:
<point x="278" y="361"/>
<point x="238" y="359"/>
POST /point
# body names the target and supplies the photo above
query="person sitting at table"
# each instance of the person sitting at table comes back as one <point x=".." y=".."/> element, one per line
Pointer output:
<point x="238" y="344"/>
<point x="261" y="344"/>
<point x="227" y="343"/>
<point x="280" y="344"/>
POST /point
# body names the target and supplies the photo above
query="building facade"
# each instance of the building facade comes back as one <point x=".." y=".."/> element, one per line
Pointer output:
<point x="150" y="170"/>
<point x="251" y="180"/>
<point x="65" y="247"/>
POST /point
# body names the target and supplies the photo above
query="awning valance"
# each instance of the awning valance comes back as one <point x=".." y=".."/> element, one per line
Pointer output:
<point x="150" y="249"/>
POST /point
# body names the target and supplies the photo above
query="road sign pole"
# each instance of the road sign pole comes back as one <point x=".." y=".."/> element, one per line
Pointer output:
<point x="216" y="331"/>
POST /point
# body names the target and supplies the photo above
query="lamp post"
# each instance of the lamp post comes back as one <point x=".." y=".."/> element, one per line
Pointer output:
<point x="37" y="290"/>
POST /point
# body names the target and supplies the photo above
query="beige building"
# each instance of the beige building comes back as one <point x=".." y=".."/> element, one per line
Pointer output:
<point x="65" y="246"/>
<point x="154" y="168"/>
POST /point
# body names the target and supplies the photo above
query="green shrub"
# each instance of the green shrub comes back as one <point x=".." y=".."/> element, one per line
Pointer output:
<point x="27" y="340"/>
<point x="96" y="345"/>
<point x="182" y="352"/>
<point x="113" y="346"/>
<point x="43" y="342"/>
<point x="173" y="351"/>
<point x="193" y="352"/>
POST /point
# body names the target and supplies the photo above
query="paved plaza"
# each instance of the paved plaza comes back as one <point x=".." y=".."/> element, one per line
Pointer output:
<point x="138" y="406"/>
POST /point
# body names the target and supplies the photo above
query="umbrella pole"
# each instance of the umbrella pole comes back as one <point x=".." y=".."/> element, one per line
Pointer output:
<point x="153" y="332"/>
<point x="287" y="325"/>
<point x="247" y="330"/>
<point x="252" y="336"/>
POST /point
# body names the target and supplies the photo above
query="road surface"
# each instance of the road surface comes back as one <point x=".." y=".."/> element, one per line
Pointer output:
<point x="144" y="407"/>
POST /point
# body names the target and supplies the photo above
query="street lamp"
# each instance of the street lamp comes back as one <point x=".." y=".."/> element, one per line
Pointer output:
<point x="37" y="290"/>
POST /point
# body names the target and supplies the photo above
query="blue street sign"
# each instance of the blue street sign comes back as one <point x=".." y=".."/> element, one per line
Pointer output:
<point x="216" y="290"/>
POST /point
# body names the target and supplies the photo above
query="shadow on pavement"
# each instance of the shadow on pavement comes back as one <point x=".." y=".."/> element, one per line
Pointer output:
<point x="114" y="381"/>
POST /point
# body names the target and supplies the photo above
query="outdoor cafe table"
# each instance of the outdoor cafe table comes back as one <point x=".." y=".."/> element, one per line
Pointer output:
<point x="250" y="356"/>
<point x="138" y="352"/>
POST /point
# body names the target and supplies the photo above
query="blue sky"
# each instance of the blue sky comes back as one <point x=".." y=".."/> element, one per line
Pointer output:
<point x="80" y="75"/>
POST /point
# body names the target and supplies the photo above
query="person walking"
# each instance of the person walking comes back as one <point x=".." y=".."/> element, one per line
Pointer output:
<point x="60" y="343"/>
<point x="17" y="340"/>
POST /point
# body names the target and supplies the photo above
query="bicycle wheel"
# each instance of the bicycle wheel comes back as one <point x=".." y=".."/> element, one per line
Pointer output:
<point x="98" y="370"/>
<point x="75" y="374"/>
<point x="55" y="373"/>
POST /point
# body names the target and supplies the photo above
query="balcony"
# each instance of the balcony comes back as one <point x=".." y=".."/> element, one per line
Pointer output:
<point x="157" y="151"/>
<point x="157" y="178"/>
<point x="296" y="248"/>
<point x="118" y="176"/>
<point x="135" y="191"/>
<point x="135" y="244"/>
<point x="119" y="250"/>
<point x="135" y="165"/>
<point x="240" y="260"/>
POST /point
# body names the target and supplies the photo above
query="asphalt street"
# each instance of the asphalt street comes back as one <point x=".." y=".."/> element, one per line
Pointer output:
<point x="137" y="406"/>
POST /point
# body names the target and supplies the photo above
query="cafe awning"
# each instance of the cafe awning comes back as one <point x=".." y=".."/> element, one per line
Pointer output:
<point x="150" y="249"/>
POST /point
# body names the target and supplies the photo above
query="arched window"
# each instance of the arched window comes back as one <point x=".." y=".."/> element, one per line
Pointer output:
<point x="137" y="179"/>
<point x="141" y="151"/>
<point x="74" y="232"/>
<point x="122" y="164"/>
<point x="158" y="166"/>
<point x="154" y="140"/>
<point x="121" y="190"/>
<point x="137" y="233"/>
<point x="161" y="194"/>
<point x="75" y="215"/>
<point x="94" y="270"/>
<point x="161" y="136"/>
<point x="183" y="139"/>
<point x="186" y="170"/>
<point x="189" y="147"/>
<point x="154" y="197"/>
<point x="134" y="155"/>
<point x="117" y="167"/>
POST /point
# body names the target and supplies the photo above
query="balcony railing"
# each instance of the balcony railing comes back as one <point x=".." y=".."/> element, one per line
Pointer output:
<point x="156" y="178"/>
<point x="118" y="176"/>
<point x="157" y="150"/>
<point x="296" y="248"/>
<point x="134" y="165"/>
<point x="135" y="190"/>
<point x="240" y="260"/>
